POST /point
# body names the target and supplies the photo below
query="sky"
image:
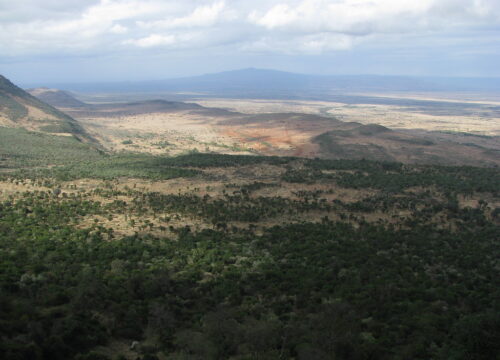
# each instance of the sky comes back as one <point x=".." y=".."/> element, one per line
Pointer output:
<point x="59" y="41"/>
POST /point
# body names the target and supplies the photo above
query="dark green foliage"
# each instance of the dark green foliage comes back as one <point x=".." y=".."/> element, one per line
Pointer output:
<point x="476" y="337"/>
<point x="147" y="166"/>
<point x="220" y="160"/>
<point x="125" y="165"/>
<point x="310" y="290"/>
<point x="232" y="208"/>
<point x="91" y="356"/>
<point x="421" y="288"/>
<point x="395" y="177"/>
<point x="256" y="185"/>
<point x="454" y="179"/>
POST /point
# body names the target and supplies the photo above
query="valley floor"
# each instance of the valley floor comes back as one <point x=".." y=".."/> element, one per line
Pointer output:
<point x="440" y="130"/>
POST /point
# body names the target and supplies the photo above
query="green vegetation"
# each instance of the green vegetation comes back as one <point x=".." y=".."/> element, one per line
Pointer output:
<point x="8" y="89"/>
<point x="310" y="290"/>
<point x="13" y="100"/>
<point x="21" y="148"/>
<point x="122" y="165"/>
<point x="12" y="108"/>
<point x="233" y="147"/>
<point x="395" y="177"/>
<point x="69" y="127"/>
<point x="162" y="144"/>
<point x="201" y="160"/>
<point x="277" y="267"/>
<point x="35" y="151"/>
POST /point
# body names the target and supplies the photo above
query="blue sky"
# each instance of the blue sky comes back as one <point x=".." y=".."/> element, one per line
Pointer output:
<point x="107" y="40"/>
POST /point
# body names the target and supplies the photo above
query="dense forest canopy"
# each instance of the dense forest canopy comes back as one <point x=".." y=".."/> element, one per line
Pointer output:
<point x="209" y="256"/>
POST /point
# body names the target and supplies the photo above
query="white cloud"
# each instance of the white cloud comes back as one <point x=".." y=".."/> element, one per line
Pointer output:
<point x="312" y="44"/>
<point x="201" y="16"/>
<point x="152" y="40"/>
<point x="31" y="27"/>
<point x="348" y="16"/>
<point x="375" y="16"/>
<point x="81" y="31"/>
<point x="118" y="29"/>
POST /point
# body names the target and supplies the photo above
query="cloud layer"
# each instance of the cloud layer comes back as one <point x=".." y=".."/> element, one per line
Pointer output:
<point x="97" y="40"/>
<point x="31" y="27"/>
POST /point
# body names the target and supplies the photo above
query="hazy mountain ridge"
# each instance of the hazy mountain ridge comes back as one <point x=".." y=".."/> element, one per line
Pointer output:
<point x="263" y="82"/>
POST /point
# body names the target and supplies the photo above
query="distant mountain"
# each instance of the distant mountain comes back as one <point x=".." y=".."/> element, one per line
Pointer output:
<point x="279" y="84"/>
<point x="19" y="109"/>
<point x="56" y="97"/>
<point x="245" y="79"/>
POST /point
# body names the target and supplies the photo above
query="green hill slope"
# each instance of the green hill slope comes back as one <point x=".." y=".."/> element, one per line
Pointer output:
<point x="20" y="148"/>
<point x="20" y="109"/>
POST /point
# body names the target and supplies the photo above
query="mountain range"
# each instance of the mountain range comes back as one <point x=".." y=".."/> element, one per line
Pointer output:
<point x="271" y="83"/>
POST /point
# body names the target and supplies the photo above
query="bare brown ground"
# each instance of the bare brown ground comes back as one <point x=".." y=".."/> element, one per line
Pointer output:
<point x="160" y="133"/>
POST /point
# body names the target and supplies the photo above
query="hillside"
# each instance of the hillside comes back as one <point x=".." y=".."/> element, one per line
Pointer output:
<point x="20" y="148"/>
<point x="376" y="142"/>
<point x="56" y="97"/>
<point x="19" y="109"/>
